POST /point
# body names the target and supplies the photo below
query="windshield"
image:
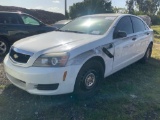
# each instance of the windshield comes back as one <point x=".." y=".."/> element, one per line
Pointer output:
<point x="96" y="25"/>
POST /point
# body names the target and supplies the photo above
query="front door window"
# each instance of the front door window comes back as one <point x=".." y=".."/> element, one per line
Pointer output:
<point x="29" y="20"/>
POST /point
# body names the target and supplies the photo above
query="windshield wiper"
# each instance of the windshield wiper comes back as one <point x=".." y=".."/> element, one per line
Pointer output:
<point x="59" y="30"/>
<point x="74" y="31"/>
<point x="71" y="31"/>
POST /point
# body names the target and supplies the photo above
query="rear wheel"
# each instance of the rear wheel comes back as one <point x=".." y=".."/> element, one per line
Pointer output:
<point x="88" y="79"/>
<point x="147" y="55"/>
<point x="4" y="47"/>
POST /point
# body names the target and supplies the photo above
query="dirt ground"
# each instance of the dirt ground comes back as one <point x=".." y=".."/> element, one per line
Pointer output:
<point x="3" y="80"/>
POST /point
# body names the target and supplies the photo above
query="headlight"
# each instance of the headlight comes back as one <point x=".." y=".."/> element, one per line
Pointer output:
<point x="52" y="60"/>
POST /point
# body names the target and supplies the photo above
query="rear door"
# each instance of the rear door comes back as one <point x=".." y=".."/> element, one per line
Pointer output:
<point x="11" y="27"/>
<point x="3" y="25"/>
<point x="124" y="47"/>
<point x="142" y="36"/>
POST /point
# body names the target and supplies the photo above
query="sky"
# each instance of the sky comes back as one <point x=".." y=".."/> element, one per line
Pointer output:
<point x="50" y="5"/>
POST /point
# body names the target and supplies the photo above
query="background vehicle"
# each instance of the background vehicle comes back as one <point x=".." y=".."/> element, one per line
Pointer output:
<point x="60" y="24"/>
<point x="147" y="19"/>
<point x="78" y="56"/>
<point x="15" y="26"/>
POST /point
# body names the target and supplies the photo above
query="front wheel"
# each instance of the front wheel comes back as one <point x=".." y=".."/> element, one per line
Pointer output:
<point x="88" y="79"/>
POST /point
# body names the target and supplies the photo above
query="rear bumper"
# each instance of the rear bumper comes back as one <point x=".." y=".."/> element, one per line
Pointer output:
<point x="40" y="80"/>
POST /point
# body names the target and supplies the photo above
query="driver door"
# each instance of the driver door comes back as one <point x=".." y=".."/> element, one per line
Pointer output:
<point x="124" y="46"/>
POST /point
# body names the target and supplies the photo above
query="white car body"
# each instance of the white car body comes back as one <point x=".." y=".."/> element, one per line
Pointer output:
<point x="81" y="48"/>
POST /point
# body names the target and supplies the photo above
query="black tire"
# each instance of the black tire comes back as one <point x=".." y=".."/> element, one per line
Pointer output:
<point x="4" y="47"/>
<point x="147" y="55"/>
<point x="88" y="79"/>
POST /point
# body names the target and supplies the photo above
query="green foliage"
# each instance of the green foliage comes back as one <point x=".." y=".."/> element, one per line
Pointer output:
<point x="156" y="30"/>
<point x="145" y="7"/>
<point x="90" y="7"/>
<point x="120" y="10"/>
<point x="158" y="13"/>
<point x="130" y="4"/>
<point x="155" y="19"/>
<point x="149" y="7"/>
<point x="138" y="13"/>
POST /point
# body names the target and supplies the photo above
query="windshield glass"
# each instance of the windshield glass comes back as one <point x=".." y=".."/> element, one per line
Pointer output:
<point x="96" y="25"/>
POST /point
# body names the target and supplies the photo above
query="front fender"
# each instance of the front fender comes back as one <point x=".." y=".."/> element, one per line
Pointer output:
<point x="82" y="58"/>
<point x="97" y="52"/>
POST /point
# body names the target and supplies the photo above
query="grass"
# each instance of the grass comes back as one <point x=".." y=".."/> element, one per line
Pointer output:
<point x="132" y="93"/>
<point x="2" y="86"/>
<point x="156" y="29"/>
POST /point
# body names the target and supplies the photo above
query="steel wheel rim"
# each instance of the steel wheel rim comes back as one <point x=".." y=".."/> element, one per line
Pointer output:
<point x="90" y="80"/>
<point x="3" y="47"/>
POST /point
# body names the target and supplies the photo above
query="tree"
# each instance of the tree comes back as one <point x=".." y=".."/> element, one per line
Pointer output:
<point x="88" y="7"/>
<point x="120" y="10"/>
<point x="149" y="7"/>
<point x="130" y="4"/>
<point x="153" y="6"/>
<point x="158" y="13"/>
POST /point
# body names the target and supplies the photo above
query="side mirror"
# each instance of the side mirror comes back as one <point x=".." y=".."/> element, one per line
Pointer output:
<point x="121" y="34"/>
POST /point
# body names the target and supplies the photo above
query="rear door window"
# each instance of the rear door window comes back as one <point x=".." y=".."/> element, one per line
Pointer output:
<point x="9" y="19"/>
<point x="138" y="25"/>
<point x="2" y="19"/>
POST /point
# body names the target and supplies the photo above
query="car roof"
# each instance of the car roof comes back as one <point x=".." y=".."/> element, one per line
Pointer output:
<point x="9" y="12"/>
<point x="109" y="14"/>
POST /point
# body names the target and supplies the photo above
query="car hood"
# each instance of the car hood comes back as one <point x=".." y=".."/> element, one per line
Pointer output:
<point x="53" y="40"/>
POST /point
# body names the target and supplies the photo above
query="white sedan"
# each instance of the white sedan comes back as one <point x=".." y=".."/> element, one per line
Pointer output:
<point x="77" y="57"/>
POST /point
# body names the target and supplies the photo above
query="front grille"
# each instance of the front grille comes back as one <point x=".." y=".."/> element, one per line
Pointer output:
<point x="19" y="57"/>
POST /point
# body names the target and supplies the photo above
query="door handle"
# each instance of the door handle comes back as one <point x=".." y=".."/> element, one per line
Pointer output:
<point x="128" y="46"/>
<point x="134" y="38"/>
<point x="147" y="33"/>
